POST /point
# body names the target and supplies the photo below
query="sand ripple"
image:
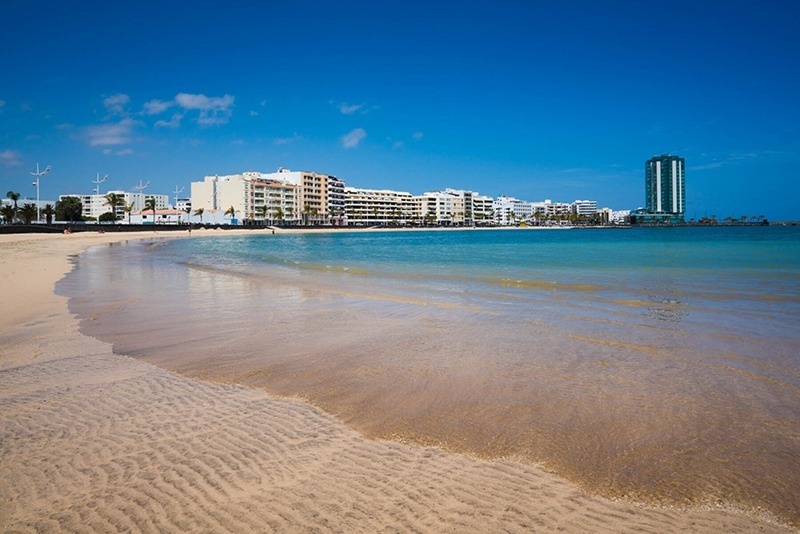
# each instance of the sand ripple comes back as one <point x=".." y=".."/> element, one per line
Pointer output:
<point x="108" y="443"/>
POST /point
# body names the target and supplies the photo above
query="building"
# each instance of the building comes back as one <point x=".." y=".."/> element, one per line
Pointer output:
<point x="95" y="205"/>
<point x="369" y="207"/>
<point x="512" y="211"/>
<point x="482" y="209"/>
<point x="665" y="191"/>
<point x="584" y="208"/>
<point x="286" y="196"/>
<point x="161" y="216"/>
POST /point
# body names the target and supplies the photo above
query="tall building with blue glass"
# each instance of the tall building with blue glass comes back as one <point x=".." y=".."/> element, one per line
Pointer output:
<point x="665" y="190"/>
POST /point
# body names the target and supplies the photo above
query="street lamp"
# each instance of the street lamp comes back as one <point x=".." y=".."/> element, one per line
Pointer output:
<point x="177" y="192"/>
<point x="98" y="182"/>
<point x="38" y="176"/>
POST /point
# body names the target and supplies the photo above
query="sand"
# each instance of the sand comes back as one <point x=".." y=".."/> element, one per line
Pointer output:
<point x="95" y="441"/>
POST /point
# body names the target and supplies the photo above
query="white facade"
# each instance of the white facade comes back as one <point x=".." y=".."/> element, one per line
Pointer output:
<point x="161" y="216"/>
<point x="510" y="210"/>
<point x="280" y="196"/>
<point x="95" y="205"/>
<point x="377" y="206"/>
<point x="584" y="207"/>
<point x="482" y="209"/>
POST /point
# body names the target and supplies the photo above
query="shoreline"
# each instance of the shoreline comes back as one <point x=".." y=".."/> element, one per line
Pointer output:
<point x="93" y="440"/>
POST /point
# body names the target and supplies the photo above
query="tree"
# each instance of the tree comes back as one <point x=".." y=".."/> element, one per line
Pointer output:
<point x="279" y="213"/>
<point x="8" y="213"/>
<point x="230" y="211"/>
<point x="108" y="216"/>
<point x="113" y="200"/>
<point x="199" y="212"/>
<point x="48" y="211"/>
<point x="69" y="209"/>
<point x="150" y="204"/>
<point x="28" y="212"/>
<point x="13" y="196"/>
<point x="128" y="208"/>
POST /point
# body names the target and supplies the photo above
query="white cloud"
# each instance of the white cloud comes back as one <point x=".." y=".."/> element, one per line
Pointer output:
<point x="398" y="144"/>
<point x="124" y="152"/>
<point x="12" y="158"/>
<point x="111" y="134"/>
<point x="213" y="110"/>
<point x="417" y="136"/>
<point x="253" y="113"/>
<point x="2" y="103"/>
<point x="154" y="107"/>
<point x="174" y="122"/>
<point x="349" y="109"/>
<point x="352" y="139"/>
<point x="117" y="103"/>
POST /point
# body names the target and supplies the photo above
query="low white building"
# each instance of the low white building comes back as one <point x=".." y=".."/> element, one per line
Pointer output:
<point x="161" y="216"/>
<point x="95" y="205"/>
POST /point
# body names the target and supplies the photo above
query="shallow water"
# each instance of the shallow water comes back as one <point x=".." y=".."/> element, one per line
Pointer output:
<point x="657" y="364"/>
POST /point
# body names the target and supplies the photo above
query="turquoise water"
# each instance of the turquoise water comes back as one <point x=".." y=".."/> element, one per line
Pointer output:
<point x="659" y="364"/>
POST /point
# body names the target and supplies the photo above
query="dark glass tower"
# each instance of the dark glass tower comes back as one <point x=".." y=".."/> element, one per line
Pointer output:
<point x="665" y="187"/>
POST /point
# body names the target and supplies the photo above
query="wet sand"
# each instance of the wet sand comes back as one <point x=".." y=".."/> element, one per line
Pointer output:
<point x="95" y="441"/>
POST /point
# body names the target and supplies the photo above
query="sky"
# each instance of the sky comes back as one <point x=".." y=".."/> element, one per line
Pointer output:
<point x="559" y="100"/>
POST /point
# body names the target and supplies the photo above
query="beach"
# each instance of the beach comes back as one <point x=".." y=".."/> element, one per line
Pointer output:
<point x="93" y="441"/>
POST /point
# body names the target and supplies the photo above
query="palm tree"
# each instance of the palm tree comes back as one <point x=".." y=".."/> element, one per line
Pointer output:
<point x="48" y="211"/>
<point x="28" y="212"/>
<point x="263" y="211"/>
<point x="113" y="200"/>
<point x="279" y="213"/>
<point x="230" y="211"/>
<point x="7" y="211"/>
<point x="150" y="204"/>
<point x="12" y="195"/>
<point x="199" y="211"/>
<point x="128" y="208"/>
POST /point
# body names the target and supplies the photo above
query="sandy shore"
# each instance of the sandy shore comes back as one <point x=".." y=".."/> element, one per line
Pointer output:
<point x="94" y="441"/>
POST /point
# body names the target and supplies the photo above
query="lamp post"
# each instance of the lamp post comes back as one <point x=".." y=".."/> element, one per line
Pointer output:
<point x="98" y="182"/>
<point x="177" y="192"/>
<point x="38" y="176"/>
<point x="141" y="187"/>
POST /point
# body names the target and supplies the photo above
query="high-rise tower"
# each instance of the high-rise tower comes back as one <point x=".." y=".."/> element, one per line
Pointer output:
<point x="665" y="188"/>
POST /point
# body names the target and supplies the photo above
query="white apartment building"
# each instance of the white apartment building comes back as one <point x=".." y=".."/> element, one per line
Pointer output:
<point x="183" y="204"/>
<point x="510" y="210"/>
<point x="371" y="207"/>
<point x="586" y="208"/>
<point x="287" y="196"/>
<point x="482" y="209"/>
<point x="95" y="205"/>
<point x="548" y="209"/>
<point x="448" y="207"/>
<point x="252" y="195"/>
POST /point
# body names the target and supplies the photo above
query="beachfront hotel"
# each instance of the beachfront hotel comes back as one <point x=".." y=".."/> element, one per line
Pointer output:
<point x="665" y="191"/>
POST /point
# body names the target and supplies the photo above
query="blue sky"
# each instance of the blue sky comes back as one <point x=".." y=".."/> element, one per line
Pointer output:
<point x="560" y="100"/>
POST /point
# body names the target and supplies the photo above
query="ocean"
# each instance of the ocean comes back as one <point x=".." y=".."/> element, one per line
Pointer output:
<point x="659" y="365"/>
